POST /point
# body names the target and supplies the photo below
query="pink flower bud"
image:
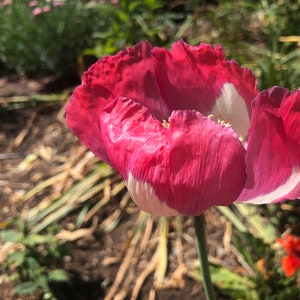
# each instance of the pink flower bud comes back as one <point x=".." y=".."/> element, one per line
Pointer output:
<point x="33" y="3"/>
<point x="37" y="11"/>
<point x="46" y="8"/>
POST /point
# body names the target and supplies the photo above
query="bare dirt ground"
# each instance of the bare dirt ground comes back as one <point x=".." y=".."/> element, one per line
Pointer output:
<point x="40" y="129"/>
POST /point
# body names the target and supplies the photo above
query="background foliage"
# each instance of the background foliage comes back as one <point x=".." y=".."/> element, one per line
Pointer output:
<point x="263" y="34"/>
<point x="61" y="38"/>
<point x="52" y="40"/>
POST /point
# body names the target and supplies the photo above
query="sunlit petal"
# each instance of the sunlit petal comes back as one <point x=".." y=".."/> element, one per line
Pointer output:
<point x="189" y="165"/>
<point x="273" y="152"/>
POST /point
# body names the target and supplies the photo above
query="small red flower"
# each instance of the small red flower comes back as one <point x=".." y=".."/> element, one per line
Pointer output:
<point x="291" y="262"/>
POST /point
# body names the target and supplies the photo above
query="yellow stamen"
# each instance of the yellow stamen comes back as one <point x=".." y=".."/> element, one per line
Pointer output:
<point x="166" y="123"/>
<point x="226" y="124"/>
<point x="219" y="120"/>
<point x="242" y="139"/>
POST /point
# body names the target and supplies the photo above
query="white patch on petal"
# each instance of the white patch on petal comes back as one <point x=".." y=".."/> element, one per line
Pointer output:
<point x="279" y="193"/>
<point x="144" y="196"/>
<point x="231" y="108"/>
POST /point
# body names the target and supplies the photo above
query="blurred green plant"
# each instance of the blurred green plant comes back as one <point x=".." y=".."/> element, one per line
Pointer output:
<point x="129" y="22"/>
<point x="253" y="20"/>
<point x="51" y="41"/>
<point x="44" y="37"/>
<point x="253" y="244"/>
<point x="268" y="279"/>
<point x="36" y="260"/>
<point x="280" y="17"/>
<point x="279" y="65"/>
<point x="259" y="34"/>
<point x="230" y="25"/>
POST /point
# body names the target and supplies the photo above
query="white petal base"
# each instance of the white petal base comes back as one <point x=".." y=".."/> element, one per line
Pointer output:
<point x="145" y="198"/>
<point x="231" y="108"/>
<point x="284" y="191"/>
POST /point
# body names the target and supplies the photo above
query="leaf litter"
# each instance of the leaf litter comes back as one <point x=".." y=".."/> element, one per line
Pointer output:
<point x="49" y="178"/>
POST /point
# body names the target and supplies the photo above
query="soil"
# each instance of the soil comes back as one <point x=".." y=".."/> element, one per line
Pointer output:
<point x="39" y="128"/>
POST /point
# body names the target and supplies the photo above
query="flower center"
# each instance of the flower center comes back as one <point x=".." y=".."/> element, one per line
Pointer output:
<point x="231" y="109"/>
<point x="166" y="123"/>
<point x="218" y="119"/>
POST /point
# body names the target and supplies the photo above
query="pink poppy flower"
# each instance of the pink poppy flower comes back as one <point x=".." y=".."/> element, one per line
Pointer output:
<point x="6" y="3"/>
<point x="33" y="3"/>
<point x="57" y="3"/>
<point x="273" y="148"/>
<point x="37" y="11"/>
<point x="187" y="129"/>
<point x="46" y="8"/>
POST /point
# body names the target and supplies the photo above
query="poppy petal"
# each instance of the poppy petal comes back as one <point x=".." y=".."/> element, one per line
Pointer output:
<point x="129" y="73"/>
<point x="273" y="150"/>
<point x="186" y="77"/>
<point x="192" y="77"/>
<point x="231" y="108"/>
<point x="288" y="265"/>
<point x="186" y="165"/>
<point x="82" y="113"/>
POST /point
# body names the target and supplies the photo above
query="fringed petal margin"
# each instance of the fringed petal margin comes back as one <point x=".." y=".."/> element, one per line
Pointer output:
<point x="192" y="77"/>
<point x="184" y="78"/>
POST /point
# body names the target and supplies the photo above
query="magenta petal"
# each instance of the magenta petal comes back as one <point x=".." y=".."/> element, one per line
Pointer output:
<point x="183" y="169"/>
<point x="129" y="131"/>
<point x="186" y="77"/>
<point x="291" y="116"/>
<point x="130" y="73"/>
<point x="206" y="163"/>
<point x="273" y="150"/>
<point x="192" y="77"/>
<point x="82" y="118"/>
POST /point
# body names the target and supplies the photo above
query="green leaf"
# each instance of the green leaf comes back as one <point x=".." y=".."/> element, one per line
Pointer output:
<point x="14" y="277"/>
<point x="257" y="225"/>
<point x="26" y="288"/>
<point x="43" y="283"/>
<point x="33" y="264"/>
<point x="11" y="235"/>
<point x="236" y="286"/>
<point x="184" y="27"/>
<point x="231" y="284"/>
<point x="36" y="239"/>
<point x="17" y="258"/>
<point x="58" y="275"/>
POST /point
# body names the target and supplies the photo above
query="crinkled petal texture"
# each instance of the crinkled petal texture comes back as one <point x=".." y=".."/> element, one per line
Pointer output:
<point x="273" y="149"/>
<point x="181" y="169"/>
<point x="184" y="78"/>
<point x="144" y="111"/>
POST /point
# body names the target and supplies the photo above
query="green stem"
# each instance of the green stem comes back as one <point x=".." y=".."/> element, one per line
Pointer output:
<point x="199" y="224"/>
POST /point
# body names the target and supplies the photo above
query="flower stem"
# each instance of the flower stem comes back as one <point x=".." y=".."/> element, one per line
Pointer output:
<point x="199" y="224"/>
